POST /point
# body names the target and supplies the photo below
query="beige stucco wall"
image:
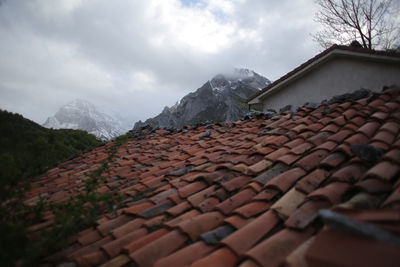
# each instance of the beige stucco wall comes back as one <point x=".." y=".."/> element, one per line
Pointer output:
<point x="334" y="77"/>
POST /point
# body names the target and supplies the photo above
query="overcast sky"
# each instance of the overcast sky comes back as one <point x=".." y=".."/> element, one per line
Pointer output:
<point x="137" y="56"/>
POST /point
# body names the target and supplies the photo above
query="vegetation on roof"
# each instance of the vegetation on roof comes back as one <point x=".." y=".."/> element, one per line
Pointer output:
<point x="27" y="150"/>
<point x="30" y="149"/>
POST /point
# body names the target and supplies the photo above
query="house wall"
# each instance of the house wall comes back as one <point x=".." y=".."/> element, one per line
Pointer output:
<point x="334" y="77"/>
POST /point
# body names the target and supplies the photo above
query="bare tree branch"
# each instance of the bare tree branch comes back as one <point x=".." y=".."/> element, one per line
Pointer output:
<point x="371" y="22"/>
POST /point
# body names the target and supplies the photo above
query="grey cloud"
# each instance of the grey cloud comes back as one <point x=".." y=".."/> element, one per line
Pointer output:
<point x="50" y="55"/>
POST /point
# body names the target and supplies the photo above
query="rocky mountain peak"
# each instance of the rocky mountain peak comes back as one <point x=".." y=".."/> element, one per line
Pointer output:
<point x="222" y="98"/>
<point x="83" y="115"/>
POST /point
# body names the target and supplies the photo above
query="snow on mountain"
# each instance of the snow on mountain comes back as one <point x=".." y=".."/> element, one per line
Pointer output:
<point x="223" y="98"/>
<point x="81" y="114"/>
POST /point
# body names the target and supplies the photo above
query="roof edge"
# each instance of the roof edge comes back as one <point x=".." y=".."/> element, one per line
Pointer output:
<point x="319" y="58"/>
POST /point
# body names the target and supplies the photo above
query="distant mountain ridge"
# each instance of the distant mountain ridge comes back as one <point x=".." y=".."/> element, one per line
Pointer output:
<point x="81" y="114"/>
<point x="223" y="98"/>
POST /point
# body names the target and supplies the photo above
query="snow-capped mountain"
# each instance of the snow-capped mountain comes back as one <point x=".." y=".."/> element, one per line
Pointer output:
<point x="80" y="114"/>
<point x="223" y="98"/>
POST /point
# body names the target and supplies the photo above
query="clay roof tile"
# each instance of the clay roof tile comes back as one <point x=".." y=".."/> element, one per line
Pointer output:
<point x="252" y="190"/>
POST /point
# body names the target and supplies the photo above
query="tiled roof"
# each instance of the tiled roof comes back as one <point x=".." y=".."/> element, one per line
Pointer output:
<point x="319" y="187"/>
<point x="323" y="56"/>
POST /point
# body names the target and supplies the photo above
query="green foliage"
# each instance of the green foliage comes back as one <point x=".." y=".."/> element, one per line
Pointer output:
<point x="26" y="150"/>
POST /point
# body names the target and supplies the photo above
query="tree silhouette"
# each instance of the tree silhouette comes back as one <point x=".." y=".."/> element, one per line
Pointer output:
<point x="371" y="22"/>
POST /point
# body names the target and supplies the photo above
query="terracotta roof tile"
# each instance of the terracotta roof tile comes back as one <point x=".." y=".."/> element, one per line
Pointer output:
<point x="244" y="238"/>
<point x="127" y="228"/>
<point x="369" y="128"/>
<point x="183" y="217"/>
<point x="274" y="250"/>
<point x="199" y="197"/>
<point x="348" y="174"/>
<point x="333" y="192"/>
<point x="221" y="257"/>
<point x="271" y="173"/>
<point x="235" y="201"/>
<point x="312" y="160"/>
<point x="237" y="221"/>
<point x="285" y="180"/>
<point x="108" y="226"/>
<point x="89" y="237"/>
<point x="374" y="186"/>
<point x="384" y="170"/>
<point x="306" y="214"/>
<point x="236" y="183"/>
<point x="143" y="241"/>
<point x="191" y="189"/>
<point x="118" y="261"/>
<point x="91" y="259"/>
<point x="136" y="209"/>
<point x="360" y="251"/>
<point x="186" y="256"/>
<point x="393" y="199"/>
<point x="277" y="153"/>
<point x="163" y="246"/>
<point x="393" y="155"/>
<point x="114" y="247"/>
<point x="201" y="223"/>
<point x="252" y="209"/>
<point x="252" y="189"/>
<point x="333" y="160"/>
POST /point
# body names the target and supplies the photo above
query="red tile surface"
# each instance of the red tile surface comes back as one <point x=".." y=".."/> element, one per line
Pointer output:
<point x="186" y="256"/>
<point x="333" y="192"/>
<point x="244" y="238"/>
<point x="274" y="250"/>
<point x="350" y="250"/>
<point x="221" y="257"/>
<point x="163" y="246"/>
<point x="179" y="186"/>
